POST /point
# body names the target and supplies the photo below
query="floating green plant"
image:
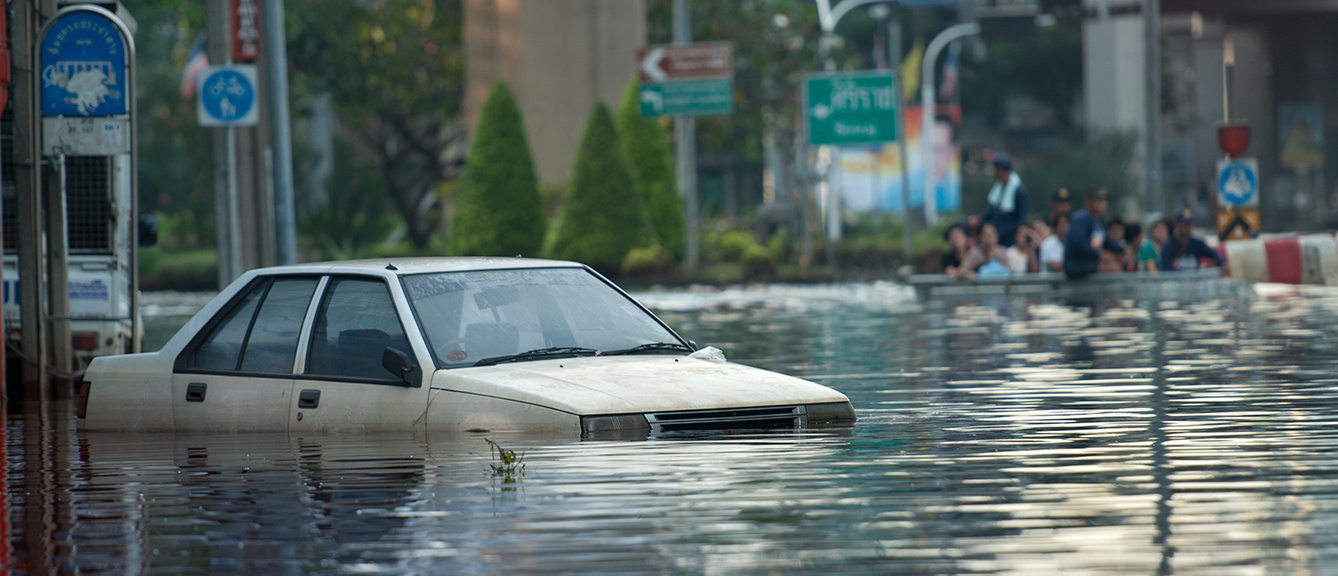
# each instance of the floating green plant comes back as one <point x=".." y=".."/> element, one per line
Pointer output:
<point x="508" y="463"/>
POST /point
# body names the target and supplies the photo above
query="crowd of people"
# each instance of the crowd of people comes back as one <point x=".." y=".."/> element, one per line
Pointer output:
<point x="1001" y="242"/>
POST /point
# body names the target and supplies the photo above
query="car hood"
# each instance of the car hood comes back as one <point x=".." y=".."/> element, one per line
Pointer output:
<point x="634" y="384"/>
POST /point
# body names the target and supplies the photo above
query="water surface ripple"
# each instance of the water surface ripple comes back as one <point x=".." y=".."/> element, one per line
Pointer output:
<point x="1183" y="431"/>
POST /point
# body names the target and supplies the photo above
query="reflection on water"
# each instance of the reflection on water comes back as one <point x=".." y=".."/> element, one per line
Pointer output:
<point x="1190" y="432"/>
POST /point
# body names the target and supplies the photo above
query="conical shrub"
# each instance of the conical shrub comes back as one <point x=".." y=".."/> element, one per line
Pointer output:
<point x="498" y="210"/>
<point x="603" y="216"/>
<point x="647" y="146"/>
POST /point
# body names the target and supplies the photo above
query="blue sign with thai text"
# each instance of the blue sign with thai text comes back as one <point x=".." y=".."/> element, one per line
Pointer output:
<point x="83" y="63"/>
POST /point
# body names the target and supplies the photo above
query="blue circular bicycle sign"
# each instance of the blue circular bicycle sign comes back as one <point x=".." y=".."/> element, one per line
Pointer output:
<point x="1238" y="181"/>
<point x="228" y="96"/>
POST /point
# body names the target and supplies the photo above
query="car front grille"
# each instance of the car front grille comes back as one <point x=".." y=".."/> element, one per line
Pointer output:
<point x="729" y="418"/>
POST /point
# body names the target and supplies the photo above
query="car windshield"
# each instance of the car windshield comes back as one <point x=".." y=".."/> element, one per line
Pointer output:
<point x="468" y="317"/>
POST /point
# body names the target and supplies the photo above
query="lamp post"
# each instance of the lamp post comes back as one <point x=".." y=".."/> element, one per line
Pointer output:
<point x="927" y="109"/>
<point x="828" y="17"/>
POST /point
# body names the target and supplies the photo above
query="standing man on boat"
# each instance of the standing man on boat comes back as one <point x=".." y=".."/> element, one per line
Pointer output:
<point x="1087" y="237"/>
<point x="1182" y="251"/>
<point x="1008" y="201"/>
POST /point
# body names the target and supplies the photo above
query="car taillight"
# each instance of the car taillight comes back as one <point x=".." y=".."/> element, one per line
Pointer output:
<point x="81" y="408"/>
<point x="84" y="340"/>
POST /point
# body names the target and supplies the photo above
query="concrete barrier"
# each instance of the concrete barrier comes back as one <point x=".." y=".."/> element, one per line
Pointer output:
<point x="1306" y="259"/>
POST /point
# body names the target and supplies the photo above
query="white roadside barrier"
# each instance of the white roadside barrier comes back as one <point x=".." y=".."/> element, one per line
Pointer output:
<point x="1304" y="259"/>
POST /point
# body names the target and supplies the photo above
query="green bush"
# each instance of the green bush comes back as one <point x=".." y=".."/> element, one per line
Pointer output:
<point x="647" y="146"/>
<point x="647" y="260"/>
<point x="553" y="195"/>
<point x="181" y="270"/>
<point x="498" y="210"/>
<point x="781" y="243"/>
<point x="603" y="217"/>
<point x="727" y="245"/>
<point x="184" y="230"/>
<point x="758" y="263"/>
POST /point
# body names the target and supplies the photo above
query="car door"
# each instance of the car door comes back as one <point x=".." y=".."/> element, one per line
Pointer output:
<point x="343" y="385"/>
<point x="237" y="374"/>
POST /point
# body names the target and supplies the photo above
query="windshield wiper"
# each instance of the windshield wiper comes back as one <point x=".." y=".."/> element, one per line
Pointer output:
<point x="537" y="353"/>
<point x="653" y="346"/>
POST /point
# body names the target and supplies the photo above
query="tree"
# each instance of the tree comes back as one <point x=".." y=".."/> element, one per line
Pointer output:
<point x="499" y="211"/>
<point x="395" y="69"/>
<point x="174" y="152"/>
<point x="1045" y="65"/>
<point x="647" y="146"/>
<point x="603" y="217"/>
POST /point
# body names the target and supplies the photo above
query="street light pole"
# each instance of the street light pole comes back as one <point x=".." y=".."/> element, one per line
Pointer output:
<point x="828" y="17"/>
<point x="927" y="109"/>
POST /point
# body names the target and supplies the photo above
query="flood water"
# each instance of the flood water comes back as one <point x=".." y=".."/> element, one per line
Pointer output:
<point x="1187" y="429"/>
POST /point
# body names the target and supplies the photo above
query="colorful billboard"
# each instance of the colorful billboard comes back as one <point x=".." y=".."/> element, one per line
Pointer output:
<point x="869" y="178"/>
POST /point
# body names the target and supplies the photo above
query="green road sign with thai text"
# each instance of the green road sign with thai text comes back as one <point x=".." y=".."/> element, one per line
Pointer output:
<point x="687" y="98"/>
<point x="848" y="109"/>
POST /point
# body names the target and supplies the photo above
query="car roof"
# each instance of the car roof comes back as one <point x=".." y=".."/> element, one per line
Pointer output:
<point x="421" y="265"/>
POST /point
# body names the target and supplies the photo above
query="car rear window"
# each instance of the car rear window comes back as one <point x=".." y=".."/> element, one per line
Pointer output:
<point x="272" y="345"/>
<point x="260" y="332"/>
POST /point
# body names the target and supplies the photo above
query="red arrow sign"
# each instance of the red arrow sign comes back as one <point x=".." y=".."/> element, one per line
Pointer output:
<point x="702" y="61"/>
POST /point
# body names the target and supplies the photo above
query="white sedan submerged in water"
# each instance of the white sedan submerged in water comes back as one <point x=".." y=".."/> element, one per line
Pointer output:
<point x="456" y="344"/>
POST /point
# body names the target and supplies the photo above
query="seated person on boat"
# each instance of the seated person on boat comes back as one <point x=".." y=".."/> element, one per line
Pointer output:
<point x="1052" y="247"/>
<point x="988" y="259"/>
<point x="1182" y="251"/>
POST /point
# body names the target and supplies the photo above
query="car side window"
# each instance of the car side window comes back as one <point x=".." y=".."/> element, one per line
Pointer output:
<point x="263" y="341"/>
<point x="272" y="345"/>
<point x="223" y="346"/>
<point x="355" y="323"/>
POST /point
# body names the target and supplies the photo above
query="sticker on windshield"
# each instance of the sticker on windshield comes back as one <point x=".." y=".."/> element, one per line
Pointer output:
<point x="456" y="356"/>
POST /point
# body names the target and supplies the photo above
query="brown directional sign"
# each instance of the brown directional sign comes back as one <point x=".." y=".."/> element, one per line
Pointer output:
<point x="245" y="30"/>
<point x="702" y="61"/>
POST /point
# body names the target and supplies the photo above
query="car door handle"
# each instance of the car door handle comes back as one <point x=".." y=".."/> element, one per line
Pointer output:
<point x="309" y="399"/>
<point x="195" y="391"/>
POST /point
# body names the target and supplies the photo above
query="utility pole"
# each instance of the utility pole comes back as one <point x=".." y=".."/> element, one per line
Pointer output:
<point x="227" y="234"/>
<point x="32" y="337"/>
<point x="58" y="271"/>
<point x="1152" y="140"/>
<point x="276" y="66"/>
<point x="685" y="151"/>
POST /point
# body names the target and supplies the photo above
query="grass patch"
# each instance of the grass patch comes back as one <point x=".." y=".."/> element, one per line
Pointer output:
<point x="186" y="270"/>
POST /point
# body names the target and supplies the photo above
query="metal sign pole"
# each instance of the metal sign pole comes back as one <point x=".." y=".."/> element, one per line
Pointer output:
<point x="276" y="64"/>
<point x="894" y="64"/>
<point x="26" y="165"/>
<point x="685" y="135"/>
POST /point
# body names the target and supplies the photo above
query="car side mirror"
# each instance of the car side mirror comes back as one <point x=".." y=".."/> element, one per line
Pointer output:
<point x="399" y="364"/>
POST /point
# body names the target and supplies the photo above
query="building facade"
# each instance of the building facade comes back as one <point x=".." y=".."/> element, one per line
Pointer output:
<point x="560" y="57"/>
